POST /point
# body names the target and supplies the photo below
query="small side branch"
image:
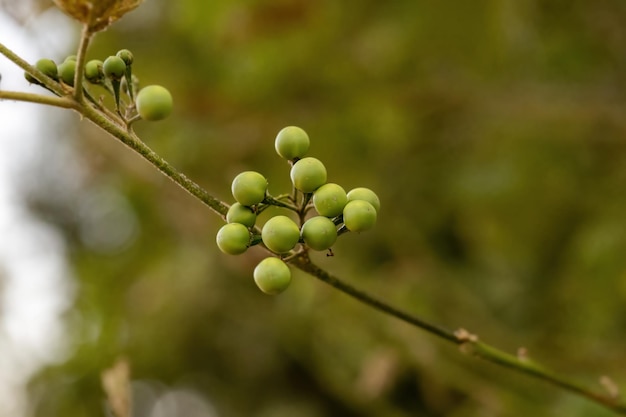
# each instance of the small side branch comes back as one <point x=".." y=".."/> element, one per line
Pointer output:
<point x="62" y="102"/>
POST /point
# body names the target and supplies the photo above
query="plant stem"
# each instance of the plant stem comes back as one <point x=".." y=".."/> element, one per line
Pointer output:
<point x="469" y="343"/>
<point x="131" y="140"/>
<point x="39" y="99"/>
<point x="81" y="57"/>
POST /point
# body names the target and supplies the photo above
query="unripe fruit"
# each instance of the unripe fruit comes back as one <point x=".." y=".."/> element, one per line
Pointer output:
<point x="126" y="56"/>
<point x="238" y="213"/>
<point x="359" y="215"/>
<point x="272" y="276"/>
<point x="48" y="67"/>
<point x="292" y="142"/>
<point x="66" y="71"/>
<point x="94" y="71"/>
<point x="233" y="238"/>
<point x="114" y="68"/>
<point x="330" y="199"/>
<point x="362" y="193"/>
<point x="319" y="233"/>
<point x="280" y="234"/>
<point x="154" y="102"/>
<point x="249" y="187"/>
<point x="308" y="174"/>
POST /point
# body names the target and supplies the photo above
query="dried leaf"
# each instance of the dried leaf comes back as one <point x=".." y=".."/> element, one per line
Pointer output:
<point x="97" y="14"/>
<point x="116" y="384"/>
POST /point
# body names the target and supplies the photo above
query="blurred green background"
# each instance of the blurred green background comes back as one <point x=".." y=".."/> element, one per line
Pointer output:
<point x="495" y="136"/>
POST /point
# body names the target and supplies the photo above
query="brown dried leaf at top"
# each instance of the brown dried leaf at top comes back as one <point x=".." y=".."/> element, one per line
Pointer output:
<point x="97" y="14"/>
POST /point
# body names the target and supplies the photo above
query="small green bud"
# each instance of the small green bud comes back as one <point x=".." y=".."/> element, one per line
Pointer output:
<point x="94" y="71"/>
<point x="48" y="67"/>
<point x="114" y="68"/>
<point x="126" y="56"/>
<point x="66" y="72"/>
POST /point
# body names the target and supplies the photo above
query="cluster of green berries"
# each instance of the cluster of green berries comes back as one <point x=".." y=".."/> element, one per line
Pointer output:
<point x="152" y="102"/>
<point x="323" y="210"/>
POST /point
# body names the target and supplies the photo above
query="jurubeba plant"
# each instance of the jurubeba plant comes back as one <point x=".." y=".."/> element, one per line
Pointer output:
<point x="287" y="236"/>
<point x="314" y="215"/>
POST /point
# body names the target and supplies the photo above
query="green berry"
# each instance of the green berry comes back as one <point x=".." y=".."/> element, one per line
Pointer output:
<point x="330" y="199"/>
<point x="94" y="71"/>
<point x="233" y="238"/>
<point x="238" y="213"/>
<point x="272" y="276"/>
<point x="359" y="215"/>
<point x="114" y="68"/>
<point x="71" y="58"/>
<point x="126" y="56"/>
<point x="66" y="70"/>
<point x="319" y="233"/>
<point x="366" y="194"/>
<point x="154" y="102"/>
<point x="249" y="188"/>
<point x="308" y="174"/>
<point x="292" y="142"/>
<point x="48" y="67"/>
<point x="280" y="234"/>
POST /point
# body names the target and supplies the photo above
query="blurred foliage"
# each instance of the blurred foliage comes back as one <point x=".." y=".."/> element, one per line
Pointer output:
<point x="494" y="133"/>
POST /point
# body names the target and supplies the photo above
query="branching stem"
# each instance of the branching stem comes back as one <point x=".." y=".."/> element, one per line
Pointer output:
<point x="115" y="126"/>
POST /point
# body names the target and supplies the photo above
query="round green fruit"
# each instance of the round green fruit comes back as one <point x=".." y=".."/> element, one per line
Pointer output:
<point x="154" y="102"/>
<point x="48" y="67"/>
<point x="249" y="188"/>
<point x="359" y="215"/>
<point x="308" y="174"/>
<point x="362" y="193"/>
<point x="233" y="238"/>
<point x="330" y="199"/>
<point x="66" y="71"/>
<point x="292" y="142"/>
<point x="114" y="68"/>
<point x="319" y="233"/>
<point x="94" y="71"/>
<point x="126" y="56"/>
<point x="272" y="276"/>
<point x="280" y="234"/>
<point x="238" y="213"/>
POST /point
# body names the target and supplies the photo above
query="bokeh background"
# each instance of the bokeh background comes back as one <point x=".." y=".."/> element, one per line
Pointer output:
<point x="495" y="136"/>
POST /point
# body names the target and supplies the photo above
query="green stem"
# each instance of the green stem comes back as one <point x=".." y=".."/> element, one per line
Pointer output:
<point x="531" y="368"/>
<point x="275" y="202"/>
<point x="469" y="343"/>
<point x="62" y="102"/>
<point x="81" y="57"/>
<point x="132" y="141"/>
